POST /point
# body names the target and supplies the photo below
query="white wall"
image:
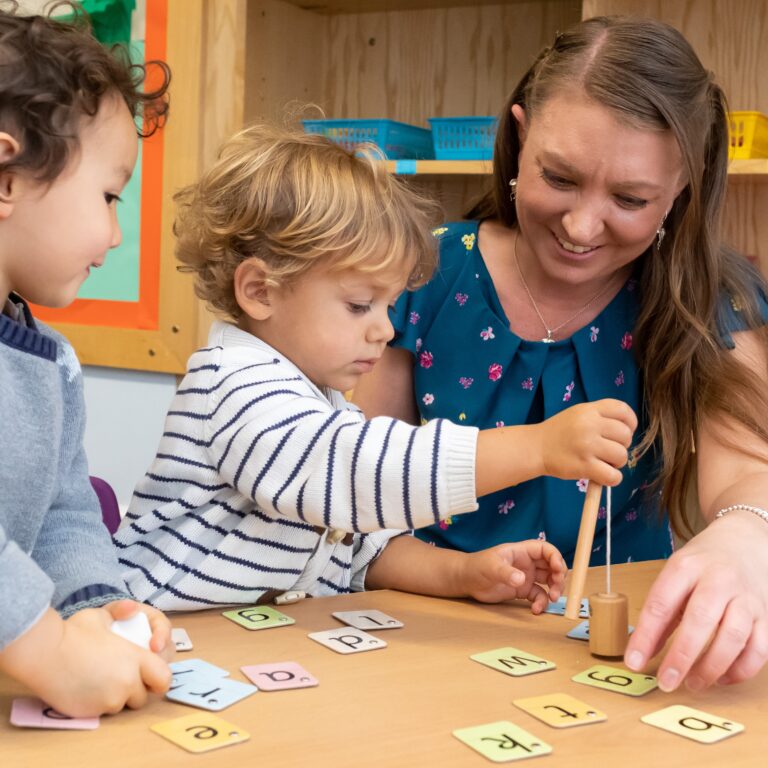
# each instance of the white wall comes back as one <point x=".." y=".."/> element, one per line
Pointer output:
<point x="125" y="414"/>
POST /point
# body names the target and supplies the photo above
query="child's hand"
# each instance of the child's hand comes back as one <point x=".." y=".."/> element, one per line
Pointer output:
<point x="589" y="440"/>
<point x="515" y="570"/>
<point x="161" y="627"/>
<point x="81" y="668"/>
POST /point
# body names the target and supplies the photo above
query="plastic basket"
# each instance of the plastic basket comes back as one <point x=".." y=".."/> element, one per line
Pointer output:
<point x="748" y="135"/>
<point x="463" y="138"/>
<point x="396" y="140"/>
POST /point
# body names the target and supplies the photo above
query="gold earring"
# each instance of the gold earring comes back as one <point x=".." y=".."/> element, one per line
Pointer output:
<point x="512" y="190"/>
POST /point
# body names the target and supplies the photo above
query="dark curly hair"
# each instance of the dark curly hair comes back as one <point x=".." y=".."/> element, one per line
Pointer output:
<point x="53" y="73"/>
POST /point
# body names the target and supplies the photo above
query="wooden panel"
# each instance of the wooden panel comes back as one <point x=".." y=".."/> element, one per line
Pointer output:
<point x="728" y="35"/>
<point x="372" y="6"/>
<point x="411" y="65"/>
<point x="284" y="55"/>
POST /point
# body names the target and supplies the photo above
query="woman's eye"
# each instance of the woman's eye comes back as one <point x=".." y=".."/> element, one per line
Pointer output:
<point x="558" y="182"/>
<point x="632" y="203"/>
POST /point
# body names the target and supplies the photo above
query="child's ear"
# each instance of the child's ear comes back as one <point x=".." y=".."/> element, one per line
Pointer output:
<point x="9" y="148"/>
<point x="251" y="290"/>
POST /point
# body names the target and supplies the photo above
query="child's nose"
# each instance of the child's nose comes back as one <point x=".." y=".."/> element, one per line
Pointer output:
<point x="381" y="329"/>
<point x="117" y="234"/>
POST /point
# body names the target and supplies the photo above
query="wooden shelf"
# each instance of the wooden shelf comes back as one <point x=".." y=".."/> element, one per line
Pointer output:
<point x="756" y="167"/>
<point x="330" y="7"/>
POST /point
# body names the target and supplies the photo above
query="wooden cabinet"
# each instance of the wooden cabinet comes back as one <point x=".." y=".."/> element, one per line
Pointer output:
<point x="411" y="60"/>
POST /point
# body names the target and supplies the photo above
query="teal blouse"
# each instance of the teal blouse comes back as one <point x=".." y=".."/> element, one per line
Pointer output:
<point x="470" y="368"/>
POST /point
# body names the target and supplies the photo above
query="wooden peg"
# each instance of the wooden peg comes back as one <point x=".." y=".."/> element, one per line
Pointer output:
<point x="608" y="619"/>
<point x="583" y="550"/>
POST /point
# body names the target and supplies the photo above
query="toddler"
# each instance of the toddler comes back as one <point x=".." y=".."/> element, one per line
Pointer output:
<point x="68" y="145"/>
<point x="266" y="479"/>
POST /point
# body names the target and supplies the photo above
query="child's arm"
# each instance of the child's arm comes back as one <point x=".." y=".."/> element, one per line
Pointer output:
<point x="505" y="572"/>
<point x="80" y="668"/>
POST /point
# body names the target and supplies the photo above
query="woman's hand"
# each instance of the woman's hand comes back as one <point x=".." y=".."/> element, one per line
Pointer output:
<point x="714" y="592"/>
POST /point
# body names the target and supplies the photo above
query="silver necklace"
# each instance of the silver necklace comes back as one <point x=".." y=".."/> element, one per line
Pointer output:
<point x="548" y="338"/>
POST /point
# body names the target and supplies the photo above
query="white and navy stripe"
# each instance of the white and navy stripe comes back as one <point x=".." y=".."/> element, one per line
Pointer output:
<point x="254" y="460"/>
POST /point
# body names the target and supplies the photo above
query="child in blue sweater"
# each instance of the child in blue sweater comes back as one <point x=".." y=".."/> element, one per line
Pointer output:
<point x="68" y="145"/>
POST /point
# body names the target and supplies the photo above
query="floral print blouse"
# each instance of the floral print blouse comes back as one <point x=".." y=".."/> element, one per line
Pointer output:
<point x="470" y="368"/>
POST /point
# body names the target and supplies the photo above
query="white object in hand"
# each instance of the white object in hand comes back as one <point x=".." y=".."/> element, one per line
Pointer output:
<point x="136" y="629"/>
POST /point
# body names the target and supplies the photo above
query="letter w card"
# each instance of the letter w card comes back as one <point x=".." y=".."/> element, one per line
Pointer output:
<point x="693" y="724"/>
<point x="348" y="640"/>
<point x="616" y="679"/>
<point x="502" y="741"/>
<point x="513" y="661"/>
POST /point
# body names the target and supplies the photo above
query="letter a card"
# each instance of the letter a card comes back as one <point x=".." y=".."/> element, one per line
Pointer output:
<point x="513" y="661"/>
<point x="693" y="724"/>
<point x="259" y="617"/>
<point x="279" y="676"/>
<point x="560" y="710"/>
<point x="201" y="732"/>
<point x="502" y="741"/>
<point x="616" y="679"/>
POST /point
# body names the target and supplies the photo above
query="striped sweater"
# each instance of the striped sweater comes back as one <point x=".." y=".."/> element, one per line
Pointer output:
<point x="256" y="464"/>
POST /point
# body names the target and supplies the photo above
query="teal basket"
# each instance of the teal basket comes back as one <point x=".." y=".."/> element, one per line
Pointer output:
<point x="463" y="138"/>
<point x="396" y="140"/>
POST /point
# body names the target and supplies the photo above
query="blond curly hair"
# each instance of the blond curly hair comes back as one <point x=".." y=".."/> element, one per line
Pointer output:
<point x="294" y="201"/>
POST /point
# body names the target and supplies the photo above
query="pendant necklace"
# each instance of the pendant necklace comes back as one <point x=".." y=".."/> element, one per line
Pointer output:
<point x="548" y="338"/>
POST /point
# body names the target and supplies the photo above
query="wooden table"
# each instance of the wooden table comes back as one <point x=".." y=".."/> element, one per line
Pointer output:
<point x="398" y="706"/>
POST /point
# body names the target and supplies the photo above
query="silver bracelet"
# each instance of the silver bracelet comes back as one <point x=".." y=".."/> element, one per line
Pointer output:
<point x="761" y="513"/>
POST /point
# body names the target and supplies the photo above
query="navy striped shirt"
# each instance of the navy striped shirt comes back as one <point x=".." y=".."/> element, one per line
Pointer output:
<point x="256" y="463"/>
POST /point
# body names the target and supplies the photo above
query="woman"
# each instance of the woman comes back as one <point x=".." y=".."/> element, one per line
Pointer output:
<point x="595" y="269"/>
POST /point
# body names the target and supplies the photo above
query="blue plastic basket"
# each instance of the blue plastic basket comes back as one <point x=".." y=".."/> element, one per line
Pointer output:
<point x="463" y="138"/>
<point x="396" y="140"/>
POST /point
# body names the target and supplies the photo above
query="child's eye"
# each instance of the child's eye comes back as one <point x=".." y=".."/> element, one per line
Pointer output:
<point x="358" y="309"/>
<point x="110" y="198"/>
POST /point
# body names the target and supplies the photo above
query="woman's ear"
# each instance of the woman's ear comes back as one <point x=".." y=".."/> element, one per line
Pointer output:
<point x="251" y="290"/>
<point x="9" y="180"/>
<point x="521" y="122"/>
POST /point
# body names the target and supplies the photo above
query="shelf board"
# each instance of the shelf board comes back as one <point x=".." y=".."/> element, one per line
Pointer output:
<point x="756" y="167"/>
<point x="330" y="7"/>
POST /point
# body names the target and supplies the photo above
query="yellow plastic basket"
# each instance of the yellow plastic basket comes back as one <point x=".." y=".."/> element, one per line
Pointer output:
<point x="748" y="135"/>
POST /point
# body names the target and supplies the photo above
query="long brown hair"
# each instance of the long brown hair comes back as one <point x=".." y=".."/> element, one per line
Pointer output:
<point x="646" y="73"/>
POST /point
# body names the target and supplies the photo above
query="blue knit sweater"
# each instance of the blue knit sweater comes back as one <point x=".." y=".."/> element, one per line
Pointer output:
<point x="54" y="548"/>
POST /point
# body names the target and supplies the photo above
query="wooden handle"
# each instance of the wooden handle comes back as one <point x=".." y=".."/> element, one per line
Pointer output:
<point x="583" y="550"/>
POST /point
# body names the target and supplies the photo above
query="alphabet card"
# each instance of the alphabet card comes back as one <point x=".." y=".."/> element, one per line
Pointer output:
<point x="502" y="741"/>
<point x="693" y="724"/>
<point x="259" y="617"/>
<point x="34" y="713"/>
<point x="212" y="693"/>
<point x="513" y="661"/>
<point x="200" y="732"/>
<point x="367" y="619"/>
<point x="616" y="679"/>
<point x="280" y="676"/>
<point x="557" y="607"/>
<point x="181" y="639"/>
<point x="347" y="640"/>
<point x="560" y="710"/>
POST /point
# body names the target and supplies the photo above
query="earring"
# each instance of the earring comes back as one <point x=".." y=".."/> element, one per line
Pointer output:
<point x="660" y="232"/>
<point x="512" y="189"/>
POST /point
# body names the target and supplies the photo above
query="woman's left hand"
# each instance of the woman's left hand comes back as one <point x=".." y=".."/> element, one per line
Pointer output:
<point x="714" y="592"/>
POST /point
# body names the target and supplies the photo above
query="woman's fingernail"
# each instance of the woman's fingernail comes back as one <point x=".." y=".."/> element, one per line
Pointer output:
<point x="634" y="660"/>
<point x="669" y="680"/>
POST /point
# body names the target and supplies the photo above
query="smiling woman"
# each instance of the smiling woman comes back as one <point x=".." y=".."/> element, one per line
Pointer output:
<point x="595" y="269"/>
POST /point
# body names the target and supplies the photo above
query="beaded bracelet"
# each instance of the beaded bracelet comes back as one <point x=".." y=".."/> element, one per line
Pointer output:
<point x="761" y="513"/>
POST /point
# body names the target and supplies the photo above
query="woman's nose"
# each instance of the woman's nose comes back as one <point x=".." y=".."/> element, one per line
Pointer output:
<point x="584" y="223"/>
